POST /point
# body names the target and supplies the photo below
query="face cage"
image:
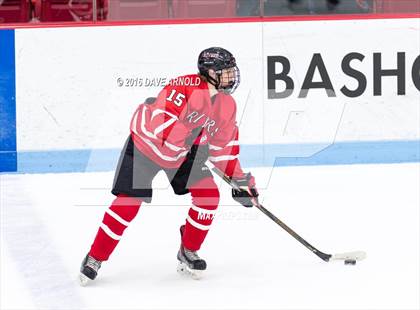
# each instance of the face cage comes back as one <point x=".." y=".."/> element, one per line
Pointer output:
<point x="229" y="89"/>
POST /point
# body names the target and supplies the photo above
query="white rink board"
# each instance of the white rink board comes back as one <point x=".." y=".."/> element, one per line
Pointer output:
<point x="68" y="97"/>
<point x="84" y="96"/>
<point x="363" y="118"/>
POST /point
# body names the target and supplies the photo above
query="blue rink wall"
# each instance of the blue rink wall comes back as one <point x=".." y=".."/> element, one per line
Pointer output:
<point x="342" y="153"/>
<point x="47" y="108"/>
<point x="8" y="154"/>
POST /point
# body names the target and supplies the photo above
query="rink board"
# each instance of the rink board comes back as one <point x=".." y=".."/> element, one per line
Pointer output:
<point x="77" y="87"/>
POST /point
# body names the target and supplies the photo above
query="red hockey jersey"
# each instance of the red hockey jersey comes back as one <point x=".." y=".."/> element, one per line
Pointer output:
<point x="160" y="130"/>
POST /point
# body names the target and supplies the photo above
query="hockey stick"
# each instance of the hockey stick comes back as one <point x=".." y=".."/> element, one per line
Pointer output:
<point x="348" y="257"/>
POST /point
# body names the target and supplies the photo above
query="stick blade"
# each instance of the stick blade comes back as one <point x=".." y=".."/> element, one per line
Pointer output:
<point x="356" y="255"/>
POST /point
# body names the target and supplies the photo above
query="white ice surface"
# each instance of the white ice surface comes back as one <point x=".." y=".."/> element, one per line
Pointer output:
<point x="48" y="222"/>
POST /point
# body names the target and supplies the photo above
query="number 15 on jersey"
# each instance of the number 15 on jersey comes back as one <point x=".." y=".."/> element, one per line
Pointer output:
<point x="178" y="98"/>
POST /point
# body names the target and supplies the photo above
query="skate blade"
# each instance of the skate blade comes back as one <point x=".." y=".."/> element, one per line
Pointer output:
<point x="184" y="270"/>
<point x="83" y="280"/>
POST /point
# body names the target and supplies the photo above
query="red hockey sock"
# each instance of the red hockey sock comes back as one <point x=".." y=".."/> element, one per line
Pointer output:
<point x="115" y="221"/>
<point x="205" y="199"/>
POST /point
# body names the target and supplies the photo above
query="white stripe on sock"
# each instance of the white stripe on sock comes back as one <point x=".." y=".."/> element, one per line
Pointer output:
<point x="109" y="232"/>
<point x="197" y="225"/>
<point x="117" y="217"/>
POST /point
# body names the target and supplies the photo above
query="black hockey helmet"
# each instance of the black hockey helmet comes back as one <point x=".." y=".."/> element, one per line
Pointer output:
<point x="217" y="59"/>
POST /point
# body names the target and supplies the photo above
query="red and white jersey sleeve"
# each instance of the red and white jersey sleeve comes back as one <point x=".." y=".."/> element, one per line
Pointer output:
<point x="224" y="145"/>
<point x="157" y="131"/>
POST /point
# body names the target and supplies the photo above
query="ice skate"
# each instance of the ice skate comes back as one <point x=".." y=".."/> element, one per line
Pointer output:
<point x="88" y="270"/>
<point x="190" y="263"/>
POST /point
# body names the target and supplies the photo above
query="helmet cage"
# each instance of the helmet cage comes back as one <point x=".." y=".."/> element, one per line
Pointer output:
<point x="233" y="84"/>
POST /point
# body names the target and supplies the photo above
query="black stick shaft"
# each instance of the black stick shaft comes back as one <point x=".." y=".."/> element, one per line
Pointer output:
<point x="320" y="254"/>
<point x="323" y="256"/>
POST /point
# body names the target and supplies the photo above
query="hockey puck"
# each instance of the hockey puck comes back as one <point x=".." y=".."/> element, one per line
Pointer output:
<point x="350" y="262"/>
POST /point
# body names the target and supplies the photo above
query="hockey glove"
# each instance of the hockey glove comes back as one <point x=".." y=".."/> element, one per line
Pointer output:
<point x="247" y="194"/>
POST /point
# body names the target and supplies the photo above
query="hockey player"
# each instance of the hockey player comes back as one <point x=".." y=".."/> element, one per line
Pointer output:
<point x="192" y="120"/>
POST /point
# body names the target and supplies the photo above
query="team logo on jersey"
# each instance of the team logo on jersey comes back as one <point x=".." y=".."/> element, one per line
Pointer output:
<point x="206" y="122"/>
